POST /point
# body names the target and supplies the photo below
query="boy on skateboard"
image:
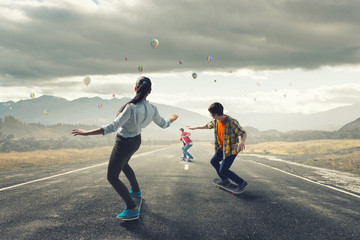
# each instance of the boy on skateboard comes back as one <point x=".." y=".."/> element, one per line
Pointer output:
<point x="230" y="139"/>
<point x="187" y="144"/>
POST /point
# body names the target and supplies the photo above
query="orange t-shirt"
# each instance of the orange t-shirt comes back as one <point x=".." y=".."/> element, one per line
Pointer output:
<point x="220" y="132"/>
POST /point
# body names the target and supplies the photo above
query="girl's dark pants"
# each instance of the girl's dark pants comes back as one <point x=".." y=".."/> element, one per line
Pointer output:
<point x="119" y="161"/>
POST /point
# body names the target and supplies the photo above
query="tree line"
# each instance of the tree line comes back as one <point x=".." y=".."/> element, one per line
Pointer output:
<point x="22" y="137"/>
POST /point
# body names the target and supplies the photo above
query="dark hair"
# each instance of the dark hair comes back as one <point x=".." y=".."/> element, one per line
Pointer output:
<point x="216" y="108"/>
<point x="143" y="86"/>
<point x="181" y="129"/>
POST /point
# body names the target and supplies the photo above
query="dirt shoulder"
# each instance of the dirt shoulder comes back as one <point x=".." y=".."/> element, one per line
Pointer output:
<point x="47" y="158"/>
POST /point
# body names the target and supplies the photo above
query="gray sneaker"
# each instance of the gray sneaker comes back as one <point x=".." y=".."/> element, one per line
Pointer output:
<point x="241" y="187"/>
<point x="224" y="183"/>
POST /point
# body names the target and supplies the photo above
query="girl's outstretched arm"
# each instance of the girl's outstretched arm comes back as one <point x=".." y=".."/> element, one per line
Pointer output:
<point x="86" y="133"/>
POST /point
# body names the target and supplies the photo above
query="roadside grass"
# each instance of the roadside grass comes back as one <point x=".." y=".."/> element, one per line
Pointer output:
<point x="45" y="158"/>
<point x="333" y="154"/>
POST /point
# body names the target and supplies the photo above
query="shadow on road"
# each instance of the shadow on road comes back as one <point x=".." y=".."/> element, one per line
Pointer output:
<point x="248" y="196"/>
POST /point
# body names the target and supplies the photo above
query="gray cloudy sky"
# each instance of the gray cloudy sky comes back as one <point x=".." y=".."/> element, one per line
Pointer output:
<point x="269" y="55"/>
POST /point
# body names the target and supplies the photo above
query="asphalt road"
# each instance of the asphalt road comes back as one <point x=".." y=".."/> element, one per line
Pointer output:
<point x="180" y="202"/>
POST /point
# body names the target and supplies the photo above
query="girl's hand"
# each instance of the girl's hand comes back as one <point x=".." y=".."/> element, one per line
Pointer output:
<point x="78" y="132"/>
<point x="173" y="117"/>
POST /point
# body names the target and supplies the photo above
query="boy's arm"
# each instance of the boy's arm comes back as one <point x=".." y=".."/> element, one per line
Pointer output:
<point x="198" y="127"/>
<point x="241" y="145"/>
<point x="206" y="126"/>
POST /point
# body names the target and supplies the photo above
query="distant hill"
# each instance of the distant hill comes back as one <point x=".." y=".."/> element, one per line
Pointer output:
<point x="19" y="136"/>
<point x="330" y="120"/>
<point x="350" y="130"/>
<point x="50" y="110"/>
<point x="351" y="127"/>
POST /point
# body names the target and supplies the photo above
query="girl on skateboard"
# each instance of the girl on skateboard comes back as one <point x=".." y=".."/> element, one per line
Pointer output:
<point x="229" y="141"/>
<point x="187" y="144"/>
<point x="132" y="117"/>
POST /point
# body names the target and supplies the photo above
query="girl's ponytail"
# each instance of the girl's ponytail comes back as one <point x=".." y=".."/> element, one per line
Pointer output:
<point x="143" y="86"/>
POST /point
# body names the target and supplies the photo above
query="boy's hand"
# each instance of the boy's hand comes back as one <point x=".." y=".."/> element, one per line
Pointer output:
<point x="241" y="146"/>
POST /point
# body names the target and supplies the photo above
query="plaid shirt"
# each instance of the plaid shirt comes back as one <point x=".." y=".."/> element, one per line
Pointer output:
<point x="231" y="135"/>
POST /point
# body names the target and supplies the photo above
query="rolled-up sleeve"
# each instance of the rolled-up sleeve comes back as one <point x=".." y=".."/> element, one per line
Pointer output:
<point x="160" y="121"/>
<point x="210" y="125"/>
<point x="118" y="122"/>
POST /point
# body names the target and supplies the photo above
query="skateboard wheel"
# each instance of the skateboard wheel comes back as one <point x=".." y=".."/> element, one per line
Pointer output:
<point x="233" y="194"/>
<point x="218" y="187"/>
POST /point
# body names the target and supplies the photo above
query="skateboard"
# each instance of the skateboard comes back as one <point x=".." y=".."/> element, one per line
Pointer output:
<point x="230" y="188"/>
<point x="138" y="202"/>
<point x="186" y="159"/>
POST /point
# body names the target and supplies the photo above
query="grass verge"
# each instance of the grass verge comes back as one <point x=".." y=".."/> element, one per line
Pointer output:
<point x="45" y="158"/>
<point x="333" y="154"/>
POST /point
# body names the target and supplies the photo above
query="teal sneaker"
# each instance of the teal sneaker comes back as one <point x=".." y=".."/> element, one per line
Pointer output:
<point x="135" y="194"/>
<point x="129" y="214"/>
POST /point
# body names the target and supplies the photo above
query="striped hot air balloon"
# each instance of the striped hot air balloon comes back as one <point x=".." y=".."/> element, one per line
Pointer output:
<point x="154" y="43"/>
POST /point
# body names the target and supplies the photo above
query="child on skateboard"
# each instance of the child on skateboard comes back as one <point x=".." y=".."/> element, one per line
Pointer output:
<point x="132" y="117"/>
<point x="227" y="144"/>
<point x="187" y="144"/>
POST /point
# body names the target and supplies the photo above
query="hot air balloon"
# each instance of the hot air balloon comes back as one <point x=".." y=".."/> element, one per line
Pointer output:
<point x="209" y="58"/>
<point x="32" y="95"/>
<point x="86" y="80"/>
<point x="99" y="105"/>
<point x="154" y="43"/>
<point x="113" y="95"/>
<point x="194" y="75"/>
<point x="140" y="68"/>
<point x="180" y="62"/>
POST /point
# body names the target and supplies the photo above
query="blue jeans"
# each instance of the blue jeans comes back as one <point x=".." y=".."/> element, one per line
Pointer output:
<point x="223" y="169"/>
<point x="185" y="152"/>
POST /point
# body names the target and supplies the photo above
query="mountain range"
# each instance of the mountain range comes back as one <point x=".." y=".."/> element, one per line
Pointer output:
<point x="330" y="120"/>
<point x="50" y="110"/>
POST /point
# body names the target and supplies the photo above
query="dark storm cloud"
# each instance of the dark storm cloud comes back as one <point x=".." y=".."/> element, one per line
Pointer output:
<point x="67" y="41"/>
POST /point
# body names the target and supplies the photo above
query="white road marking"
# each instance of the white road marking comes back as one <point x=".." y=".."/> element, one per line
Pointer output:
<point x="309" y="180"/>
<point x="61" y="174"/>
<point x="54" y="176"/>
<point x="187" y="167"/>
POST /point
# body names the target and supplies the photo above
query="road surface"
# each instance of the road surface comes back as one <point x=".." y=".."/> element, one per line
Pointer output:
<point x="180" y="202"/>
